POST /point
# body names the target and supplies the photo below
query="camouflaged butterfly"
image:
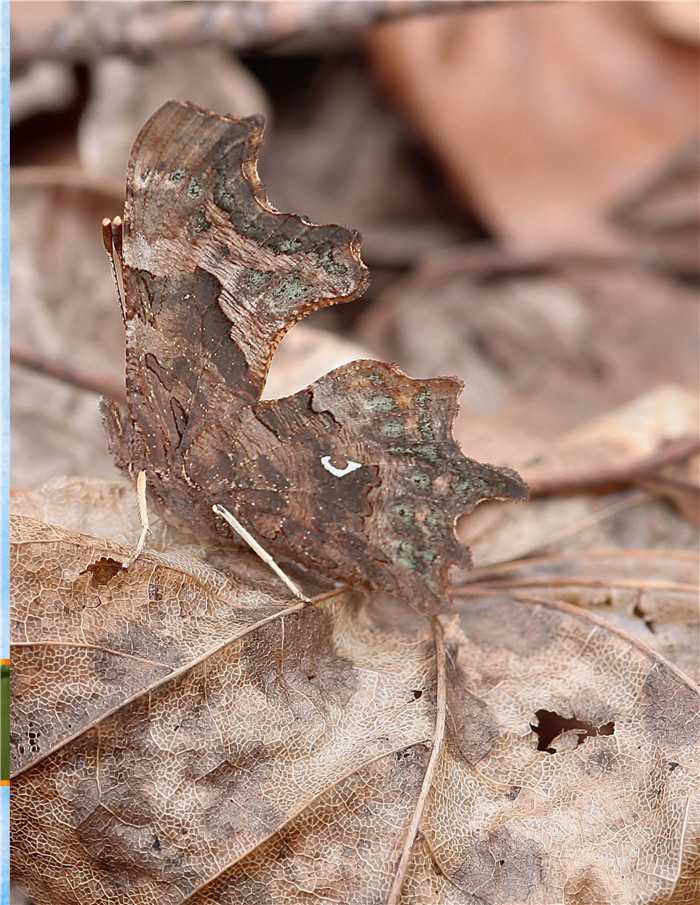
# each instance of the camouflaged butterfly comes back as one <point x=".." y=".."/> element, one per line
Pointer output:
<point x="358" y="476"/>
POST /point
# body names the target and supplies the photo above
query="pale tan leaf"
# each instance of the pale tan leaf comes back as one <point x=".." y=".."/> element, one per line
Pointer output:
<point x="621" y="438"/>
<point x="187" y="734"/>
<point x="651" y="594"/>
<point x="543" y="115"/>
<point x="601" y="817"/>
<point x="169" y="721"/>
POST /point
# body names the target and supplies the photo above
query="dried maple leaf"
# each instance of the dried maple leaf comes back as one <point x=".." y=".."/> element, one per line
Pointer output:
<point x="212" y="743"/>
<point x="652" y="594"/>
<point x="358" y="476"/>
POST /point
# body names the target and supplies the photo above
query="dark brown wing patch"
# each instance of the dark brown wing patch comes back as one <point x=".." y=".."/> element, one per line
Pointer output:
<point x="358" y="476"/>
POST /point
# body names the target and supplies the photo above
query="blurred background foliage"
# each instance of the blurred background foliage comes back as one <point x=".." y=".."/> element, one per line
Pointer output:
<point x="525" y="177"/>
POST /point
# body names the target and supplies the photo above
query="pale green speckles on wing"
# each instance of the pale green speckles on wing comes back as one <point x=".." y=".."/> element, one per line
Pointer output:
<point x="381" y="403"/>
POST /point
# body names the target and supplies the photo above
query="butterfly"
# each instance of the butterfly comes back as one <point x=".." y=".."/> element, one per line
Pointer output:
<point x="357" y="477"/>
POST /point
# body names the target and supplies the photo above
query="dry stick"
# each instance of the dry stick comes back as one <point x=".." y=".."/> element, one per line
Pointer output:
<point x="72" y="177"/>
<point x="477" y="589"/>
<point x="438" y="739"/>
<point x="489" y="573"/>
<point x="618" y="475"/>
<point x="50" y="367"/>
<point x="73" y="35"/>
<point x="260" y="551"/>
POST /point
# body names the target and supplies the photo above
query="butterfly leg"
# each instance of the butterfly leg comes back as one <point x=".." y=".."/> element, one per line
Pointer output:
<point x="257" y="549"/>
<point x="143" y="515"/>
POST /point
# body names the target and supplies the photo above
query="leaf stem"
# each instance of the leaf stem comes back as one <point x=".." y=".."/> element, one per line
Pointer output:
<point x="438" y="739"/>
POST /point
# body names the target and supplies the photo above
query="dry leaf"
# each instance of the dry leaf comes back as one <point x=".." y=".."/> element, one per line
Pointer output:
<point x="99" y="508"/>
<point x="210" y="741"/>
<point x="125" y="93"/>
<point x="620" y="440"/>
<point x="544" y="115"/>
<point x="542" y="343"/>
<point x="651" y="594"/>
<point x="558" y="813"/>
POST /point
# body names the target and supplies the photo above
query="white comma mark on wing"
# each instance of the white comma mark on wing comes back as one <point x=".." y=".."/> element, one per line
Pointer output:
<point x="339" y="472"/>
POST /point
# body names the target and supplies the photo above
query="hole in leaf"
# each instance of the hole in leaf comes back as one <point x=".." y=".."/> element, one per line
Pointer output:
<point x="408" y="755"/>
<point x="416" y="694"/>
<point x="550" y="725"/>
<point x="103" y="571"/>
<point x="640" y="614"/>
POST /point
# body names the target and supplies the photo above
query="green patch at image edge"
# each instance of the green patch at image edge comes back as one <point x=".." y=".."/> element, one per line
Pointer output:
<point x="5" y="723"/>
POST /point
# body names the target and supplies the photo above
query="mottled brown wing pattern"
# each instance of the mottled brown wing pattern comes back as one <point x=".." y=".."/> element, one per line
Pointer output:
<point x="213" y="277"/>
<point x="357" y="476"/>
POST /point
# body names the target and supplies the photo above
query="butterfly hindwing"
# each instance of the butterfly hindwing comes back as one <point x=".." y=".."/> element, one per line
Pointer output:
<point x="357" y="477"/>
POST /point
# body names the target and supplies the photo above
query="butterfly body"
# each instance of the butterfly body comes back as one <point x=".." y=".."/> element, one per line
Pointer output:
<point x="357" y="476"/>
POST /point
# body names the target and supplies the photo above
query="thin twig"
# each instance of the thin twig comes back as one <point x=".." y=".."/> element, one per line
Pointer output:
<point x="68" y="177"/>
<point x="625" y="583"/>
<point x="50" y="367"/>
<point x="436" y="751"/>
<point x="605" y="512"/>
<point x="488" y="573"/>
<point x="616" y="476"/>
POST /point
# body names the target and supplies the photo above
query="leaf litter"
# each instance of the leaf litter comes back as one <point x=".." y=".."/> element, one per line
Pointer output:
<point x="212" y="741"/>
